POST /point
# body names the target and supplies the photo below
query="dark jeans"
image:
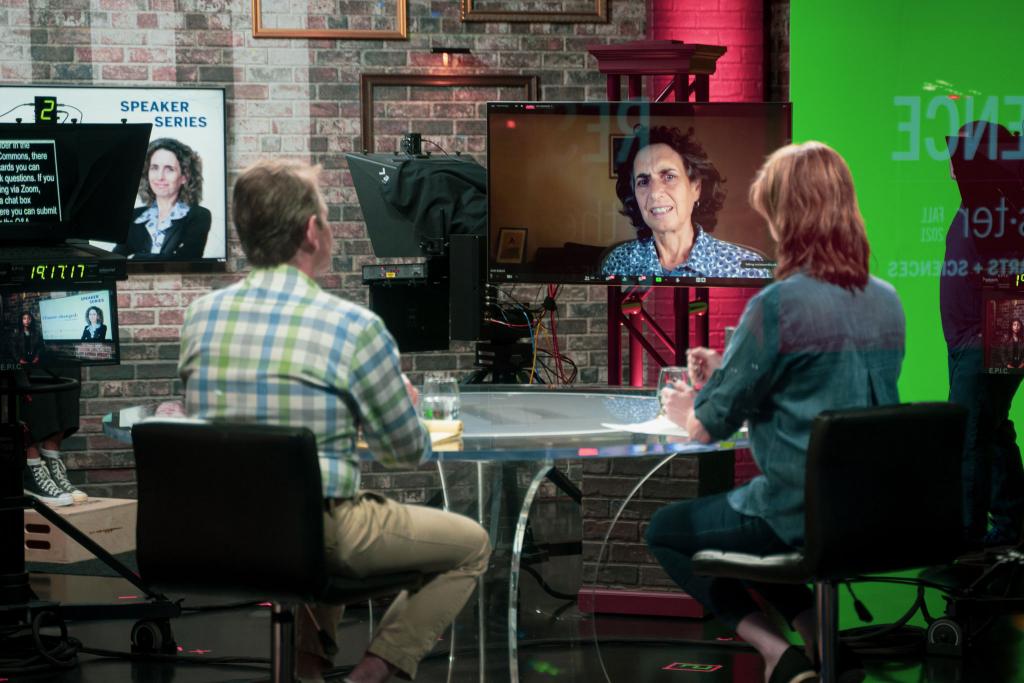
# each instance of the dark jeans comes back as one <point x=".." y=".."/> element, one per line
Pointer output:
<point x="993" y="476"/>
<point x="679" y="530"/>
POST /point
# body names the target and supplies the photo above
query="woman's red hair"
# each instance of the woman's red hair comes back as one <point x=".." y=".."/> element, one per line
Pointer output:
<point x="806" y="193"/>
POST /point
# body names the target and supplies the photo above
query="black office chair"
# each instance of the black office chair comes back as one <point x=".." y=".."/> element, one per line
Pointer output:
<point x="237" y="510"/>
<point x="883" y="493"/>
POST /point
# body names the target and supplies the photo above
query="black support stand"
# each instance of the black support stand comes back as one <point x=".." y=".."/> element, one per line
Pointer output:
<point x="18" y="604"/>
<point x="690" y="66"/>
<point x="503" y="362"/>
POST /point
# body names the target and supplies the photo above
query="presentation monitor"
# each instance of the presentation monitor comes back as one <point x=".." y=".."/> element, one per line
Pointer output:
<point x="67" y="181"/>
<point x="412" y="204"/>
<point x="571" y="199"/>
<point x="59" y="328"/>
<point x="1003" y="321"/>
<point x="178" y="208"/>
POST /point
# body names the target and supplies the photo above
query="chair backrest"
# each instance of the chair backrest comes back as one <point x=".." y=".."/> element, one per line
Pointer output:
<point x="229" y="508"/>
<point x="883" y="489"/>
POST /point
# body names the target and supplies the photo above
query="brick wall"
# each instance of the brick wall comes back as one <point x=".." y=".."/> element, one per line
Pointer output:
<point x="301" y="99"/>
<point x="294" y="98"/>
<point x="736" y="24"/>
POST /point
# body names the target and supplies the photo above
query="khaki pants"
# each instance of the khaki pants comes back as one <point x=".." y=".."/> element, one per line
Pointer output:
<point x="371" y="534"/>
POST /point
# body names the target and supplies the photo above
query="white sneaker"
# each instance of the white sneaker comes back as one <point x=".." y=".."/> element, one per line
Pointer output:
<point x="59" y="474"/>
<point x="37" y="483"/>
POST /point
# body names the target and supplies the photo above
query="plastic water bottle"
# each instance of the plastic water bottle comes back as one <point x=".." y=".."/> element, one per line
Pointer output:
<point x="440" y="407"/>
<point x="440" y="398"/>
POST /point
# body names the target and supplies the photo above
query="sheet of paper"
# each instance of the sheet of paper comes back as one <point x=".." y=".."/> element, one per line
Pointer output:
<point x="443" y="431"/>
<point x="659" y="426"/>
<point x="438" y="438"/>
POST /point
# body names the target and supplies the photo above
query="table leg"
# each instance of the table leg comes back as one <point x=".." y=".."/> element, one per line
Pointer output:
<point x="604" y="544"/>
<point x="513" y="576"/>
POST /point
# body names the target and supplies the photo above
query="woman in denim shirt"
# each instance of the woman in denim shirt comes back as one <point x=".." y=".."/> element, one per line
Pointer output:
<point x="825" y="335"/>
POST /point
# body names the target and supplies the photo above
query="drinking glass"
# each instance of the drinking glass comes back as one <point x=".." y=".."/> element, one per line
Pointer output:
<point x="440" y="397"/>
<point x="667" y="378"/>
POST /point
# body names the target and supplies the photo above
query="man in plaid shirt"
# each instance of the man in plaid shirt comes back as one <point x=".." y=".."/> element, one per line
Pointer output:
<point x="275" y="348"/>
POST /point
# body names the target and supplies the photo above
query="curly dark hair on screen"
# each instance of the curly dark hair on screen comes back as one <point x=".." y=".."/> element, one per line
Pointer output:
<point x="99" y="314"/>
<point x="698" y="167"/>
<point x="191" y="167"/>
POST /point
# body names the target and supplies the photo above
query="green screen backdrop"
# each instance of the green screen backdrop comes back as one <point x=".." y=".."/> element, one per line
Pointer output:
<point x="883" y="82"/>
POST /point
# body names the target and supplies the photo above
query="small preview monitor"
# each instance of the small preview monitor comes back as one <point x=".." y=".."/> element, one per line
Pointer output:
<point x="579" y="193"/>
<point x="59" y="328"/>
<point x="1003" y="321"/>
<point x="178" y="208"/>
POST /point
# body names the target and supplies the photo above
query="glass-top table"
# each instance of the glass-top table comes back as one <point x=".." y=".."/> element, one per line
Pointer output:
<point x="526" y="423"/>
<point x="514" y="471"/>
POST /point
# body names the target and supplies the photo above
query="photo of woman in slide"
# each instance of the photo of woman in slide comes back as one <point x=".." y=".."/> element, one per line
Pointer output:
<point x="28" y="341"/>
<point x="94" y="330"/>
<point x="171" y="226"/>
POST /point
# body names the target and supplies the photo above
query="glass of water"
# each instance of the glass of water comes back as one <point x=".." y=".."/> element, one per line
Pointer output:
<point x="440" y="397"/>
<point x="668" y="378"/>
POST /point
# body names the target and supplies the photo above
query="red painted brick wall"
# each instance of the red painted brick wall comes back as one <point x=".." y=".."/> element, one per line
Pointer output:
<point x="739" y="25"/>
<point x="736" y="24"/>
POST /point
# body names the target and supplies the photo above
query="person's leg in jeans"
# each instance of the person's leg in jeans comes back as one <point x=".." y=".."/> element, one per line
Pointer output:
<point x="679" y="530"/>
<point x="997" y="434"/>
<point x="375" y="535"/>
<point x="965" y="389"/>
<point x="993" y="477"/>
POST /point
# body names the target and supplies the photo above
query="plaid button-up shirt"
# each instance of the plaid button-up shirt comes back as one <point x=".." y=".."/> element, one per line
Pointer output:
<point x="277" y="349"/>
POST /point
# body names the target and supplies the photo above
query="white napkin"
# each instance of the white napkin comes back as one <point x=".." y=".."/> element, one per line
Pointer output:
<point x="659" y="426"/>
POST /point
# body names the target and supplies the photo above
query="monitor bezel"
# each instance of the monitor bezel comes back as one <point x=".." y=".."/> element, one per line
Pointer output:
<point x="72" y="288"/>
<point x="213" y="263"/>
<point x="497" y="274"/>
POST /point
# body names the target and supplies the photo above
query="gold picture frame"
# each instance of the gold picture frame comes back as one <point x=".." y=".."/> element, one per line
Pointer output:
<point x="511" y="245"/>
<point x="401" y="31"/>
<point x="470" y="11"/>
<point x="368" y="82"/>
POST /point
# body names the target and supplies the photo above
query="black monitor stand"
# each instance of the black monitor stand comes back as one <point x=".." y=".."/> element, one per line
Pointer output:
<point x="502" y="362"/>
<point x="18" y="604"/>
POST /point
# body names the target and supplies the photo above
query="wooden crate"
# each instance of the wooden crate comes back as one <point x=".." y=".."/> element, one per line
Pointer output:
<point x="110" y="522"/>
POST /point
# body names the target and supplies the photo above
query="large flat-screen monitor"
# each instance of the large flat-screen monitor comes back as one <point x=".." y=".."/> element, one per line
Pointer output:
<point x="180" y="211"/>
<point x="590" y="193"/>
<point x="59" y="328"/>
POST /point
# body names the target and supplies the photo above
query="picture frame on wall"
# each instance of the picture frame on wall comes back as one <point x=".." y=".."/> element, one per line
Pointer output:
<point x="548" y="11"/>
<point x="382" y="20"/>
<point x="511" y="245"/>
<point x="618" y="148"/>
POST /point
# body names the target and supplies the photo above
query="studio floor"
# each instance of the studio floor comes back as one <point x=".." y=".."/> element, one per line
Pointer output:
<point x="557" y="643"/>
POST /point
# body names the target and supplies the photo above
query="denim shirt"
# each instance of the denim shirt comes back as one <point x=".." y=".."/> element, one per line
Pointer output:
<point x="802" y="346"/>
